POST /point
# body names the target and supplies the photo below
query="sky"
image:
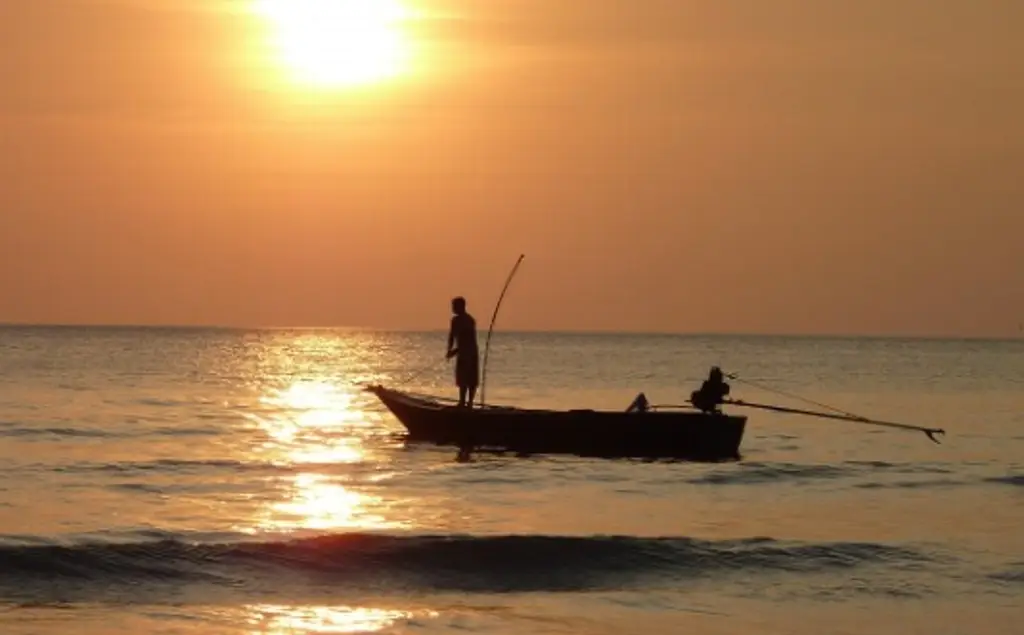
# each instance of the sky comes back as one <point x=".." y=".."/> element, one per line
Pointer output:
<point x="794" y="166"/>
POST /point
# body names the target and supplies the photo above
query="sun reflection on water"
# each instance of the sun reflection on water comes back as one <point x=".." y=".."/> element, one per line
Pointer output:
<point x="317" y="428"/>
<point x="316" y="502"/>
<point x="289" y="620"/>
<point x="313" y="422"/>
<point x="316" y="404"/>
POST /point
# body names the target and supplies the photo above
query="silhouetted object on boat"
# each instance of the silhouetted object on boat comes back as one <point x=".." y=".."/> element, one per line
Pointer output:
<point x="650" y="433"/>
<point x="712" y="392"/>
<point x="640" y="404"/>
<point x="463" y="346"/>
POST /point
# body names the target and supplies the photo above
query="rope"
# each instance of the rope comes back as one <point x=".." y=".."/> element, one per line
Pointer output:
<point x="836" y="412"/>
<point x="736" y="377"/>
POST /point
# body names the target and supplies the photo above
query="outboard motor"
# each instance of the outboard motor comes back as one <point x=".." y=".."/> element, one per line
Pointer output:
<point x="712" y="392"/>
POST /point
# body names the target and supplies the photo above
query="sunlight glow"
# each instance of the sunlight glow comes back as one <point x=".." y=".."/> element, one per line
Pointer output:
<point x="317" y="403"/>
<point x="313" y="424"/>
<point x="339" y="43"/>
<point x="320" y="504"/>
<point x="281" y="620"/>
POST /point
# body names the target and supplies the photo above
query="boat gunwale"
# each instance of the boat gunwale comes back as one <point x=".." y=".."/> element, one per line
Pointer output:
<point x="439" y="404"/>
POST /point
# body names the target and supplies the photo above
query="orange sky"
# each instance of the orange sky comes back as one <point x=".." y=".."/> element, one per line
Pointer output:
<point x="670" y="165"/>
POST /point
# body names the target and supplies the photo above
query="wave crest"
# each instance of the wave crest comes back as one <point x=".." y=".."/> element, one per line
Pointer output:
<point x="453" y="562"/>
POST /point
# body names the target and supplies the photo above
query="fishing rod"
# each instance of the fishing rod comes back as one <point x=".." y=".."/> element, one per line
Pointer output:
<point x="494" y="316"/>
<point x="929" y="432"/>
<point x="429" y="366"/>
<point x="736" y="377"/>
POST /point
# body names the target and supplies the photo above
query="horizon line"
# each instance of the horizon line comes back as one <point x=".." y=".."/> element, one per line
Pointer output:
<point x="513" y="331"/>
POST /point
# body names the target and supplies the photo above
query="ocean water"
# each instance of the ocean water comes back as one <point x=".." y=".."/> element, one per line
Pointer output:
<point x="240" y="482"/>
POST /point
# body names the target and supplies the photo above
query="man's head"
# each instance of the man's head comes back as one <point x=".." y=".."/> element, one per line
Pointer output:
<point x="459" y="305"/>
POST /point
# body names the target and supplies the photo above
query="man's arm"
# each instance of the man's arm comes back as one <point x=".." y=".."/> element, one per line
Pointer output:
<point x="451" y="339"/>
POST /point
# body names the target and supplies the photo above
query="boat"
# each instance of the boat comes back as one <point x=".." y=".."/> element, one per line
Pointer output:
<point x="648" y="433"/>
<point x="697" y="430"/>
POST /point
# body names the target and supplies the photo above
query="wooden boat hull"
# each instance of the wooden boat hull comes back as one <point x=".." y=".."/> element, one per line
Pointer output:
<point x="679" y="434"/>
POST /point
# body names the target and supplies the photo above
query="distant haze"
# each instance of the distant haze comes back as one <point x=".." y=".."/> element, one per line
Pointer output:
<point x="793" y="166"/>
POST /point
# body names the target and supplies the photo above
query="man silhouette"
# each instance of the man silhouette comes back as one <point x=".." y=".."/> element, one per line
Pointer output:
<point x="462" y="336"/>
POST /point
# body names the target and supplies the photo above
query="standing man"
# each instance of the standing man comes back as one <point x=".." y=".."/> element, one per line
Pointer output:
<point x="462" y="336"/>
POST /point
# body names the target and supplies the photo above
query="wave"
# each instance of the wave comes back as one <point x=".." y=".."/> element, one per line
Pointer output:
<point x="942" y="482"/>
<point x="54" y="431"/>
<point x="179" y="467"/>
<point x="751" y="473"/>
<point x="168" y="465"/>
<point x="1012" y="575"/>
<point x="1015" y="479"/>
<point x="30" y="432"/>
<point x="482" y="564"/>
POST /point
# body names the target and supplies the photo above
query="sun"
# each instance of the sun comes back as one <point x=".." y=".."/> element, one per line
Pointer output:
<point x="337" y="43"/>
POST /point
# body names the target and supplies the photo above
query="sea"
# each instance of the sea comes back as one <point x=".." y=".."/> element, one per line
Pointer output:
<point x="193" y="481"/>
